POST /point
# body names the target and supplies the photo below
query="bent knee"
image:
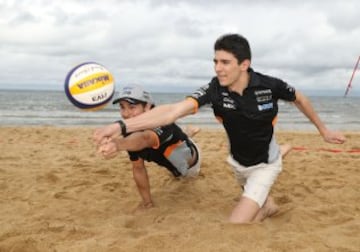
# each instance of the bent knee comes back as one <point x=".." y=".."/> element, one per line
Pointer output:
<point x="245" y="211"/>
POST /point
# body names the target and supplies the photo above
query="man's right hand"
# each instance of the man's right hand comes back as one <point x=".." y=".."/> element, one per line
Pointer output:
<point x="109" y="149"/>
<point x="109" y="131"/>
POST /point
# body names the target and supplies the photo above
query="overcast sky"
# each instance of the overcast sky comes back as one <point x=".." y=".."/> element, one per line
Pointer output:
<point x="168" y="45"/>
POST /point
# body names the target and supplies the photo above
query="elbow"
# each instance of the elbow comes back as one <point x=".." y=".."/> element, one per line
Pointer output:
<point x="147" y="139"/>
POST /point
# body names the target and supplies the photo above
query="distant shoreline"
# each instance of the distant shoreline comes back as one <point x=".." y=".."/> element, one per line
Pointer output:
<point x="40" y="107"/>
<point x="187" y="90"/>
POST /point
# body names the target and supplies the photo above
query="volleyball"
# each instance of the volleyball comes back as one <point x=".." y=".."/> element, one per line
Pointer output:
<point x="89" y="86"/>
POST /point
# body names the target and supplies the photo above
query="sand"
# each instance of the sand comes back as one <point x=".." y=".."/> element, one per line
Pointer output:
<point x="58" y="195"/>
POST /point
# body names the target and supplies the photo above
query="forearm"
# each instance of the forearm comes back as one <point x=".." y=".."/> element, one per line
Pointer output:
<point x="148" y="120"/>
<point x="304" y="105"/>
<point x="158" y="116"/>
<point x="142" y="183"/>
<point x="329" y="136"/>
<point x="134" y="142"/>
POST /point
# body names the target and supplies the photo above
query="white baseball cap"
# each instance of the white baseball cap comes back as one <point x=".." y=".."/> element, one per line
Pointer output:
<point x="134" y="94"/>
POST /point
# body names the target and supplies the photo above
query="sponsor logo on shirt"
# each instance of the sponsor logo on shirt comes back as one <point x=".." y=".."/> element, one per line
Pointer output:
<point x="290" y="88"/>
<point x="229" y="105"/>
<point x="200" y="92"/>
<point x="264" y="98"/>
<point x="263" y="92"/>
<point x="266" y="106"/>
<point x="158" y="131"/>
<point x="228" y="102"/>
<point x="263" y="95"/>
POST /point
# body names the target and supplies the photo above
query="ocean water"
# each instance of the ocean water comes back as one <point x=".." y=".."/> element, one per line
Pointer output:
<point x="26" y="108"/>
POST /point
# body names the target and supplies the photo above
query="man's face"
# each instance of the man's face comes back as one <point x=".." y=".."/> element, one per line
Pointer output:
<point x="227" y="68"/>
<point x="128" y="110"/>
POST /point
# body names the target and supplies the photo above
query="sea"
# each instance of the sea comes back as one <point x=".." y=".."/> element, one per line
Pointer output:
<point x="52" y="108"/>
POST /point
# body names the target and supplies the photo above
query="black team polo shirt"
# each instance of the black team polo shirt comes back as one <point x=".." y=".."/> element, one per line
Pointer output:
<point x="249" y="118"/>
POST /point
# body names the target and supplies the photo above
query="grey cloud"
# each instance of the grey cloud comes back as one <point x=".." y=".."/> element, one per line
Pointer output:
<point x="346" y="23"/>
<point x="171" y="42"/>
<point x="22" y="18"/>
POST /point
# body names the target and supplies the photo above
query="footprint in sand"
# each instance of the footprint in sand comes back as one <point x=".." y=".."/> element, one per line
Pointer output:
<point x="63" y="195"/>
<point x="110" y="186"/>
<point x="159" y="219"/>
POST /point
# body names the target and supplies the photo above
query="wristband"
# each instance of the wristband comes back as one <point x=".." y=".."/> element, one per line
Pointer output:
<point x="122" y="126"/>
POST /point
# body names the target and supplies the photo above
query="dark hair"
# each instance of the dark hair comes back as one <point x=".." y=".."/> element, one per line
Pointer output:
<point x="145" y="103"/>
<point x="235" y="44"/>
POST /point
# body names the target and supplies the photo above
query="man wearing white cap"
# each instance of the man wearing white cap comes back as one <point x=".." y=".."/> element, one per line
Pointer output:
<point x="168" y="146"/>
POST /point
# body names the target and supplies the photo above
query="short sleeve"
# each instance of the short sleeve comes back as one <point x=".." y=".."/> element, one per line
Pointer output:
<point x="285" y="91"/>
<point x="202" y="95"/>
<point x="164" y="134"/>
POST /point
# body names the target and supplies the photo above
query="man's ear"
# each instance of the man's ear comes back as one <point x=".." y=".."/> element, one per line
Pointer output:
<point x="245" y="64"/>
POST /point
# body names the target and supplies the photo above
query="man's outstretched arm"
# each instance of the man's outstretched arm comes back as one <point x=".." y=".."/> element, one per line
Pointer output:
<point x="304" y="105"/>
<point x="158" y="116"/>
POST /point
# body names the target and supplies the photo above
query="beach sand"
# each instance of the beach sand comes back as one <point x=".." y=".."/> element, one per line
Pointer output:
<point x="57" y="194"/>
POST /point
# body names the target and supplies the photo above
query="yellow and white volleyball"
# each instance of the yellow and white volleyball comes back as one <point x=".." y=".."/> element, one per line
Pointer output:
<point x="89" y="86"/>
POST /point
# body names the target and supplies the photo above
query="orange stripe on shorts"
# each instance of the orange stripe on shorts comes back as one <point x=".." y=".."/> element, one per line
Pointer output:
<point x="171" y="148"/>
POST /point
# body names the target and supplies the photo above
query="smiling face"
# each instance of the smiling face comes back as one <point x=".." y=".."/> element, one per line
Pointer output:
<point x="129" y="110"/>
<point x="228" y="70"/>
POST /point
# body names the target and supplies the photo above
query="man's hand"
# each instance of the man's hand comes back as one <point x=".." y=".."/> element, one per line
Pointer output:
<point x="333" y="137"/>
<point x="108" y="149"/>
<point x="109" y="131"/>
